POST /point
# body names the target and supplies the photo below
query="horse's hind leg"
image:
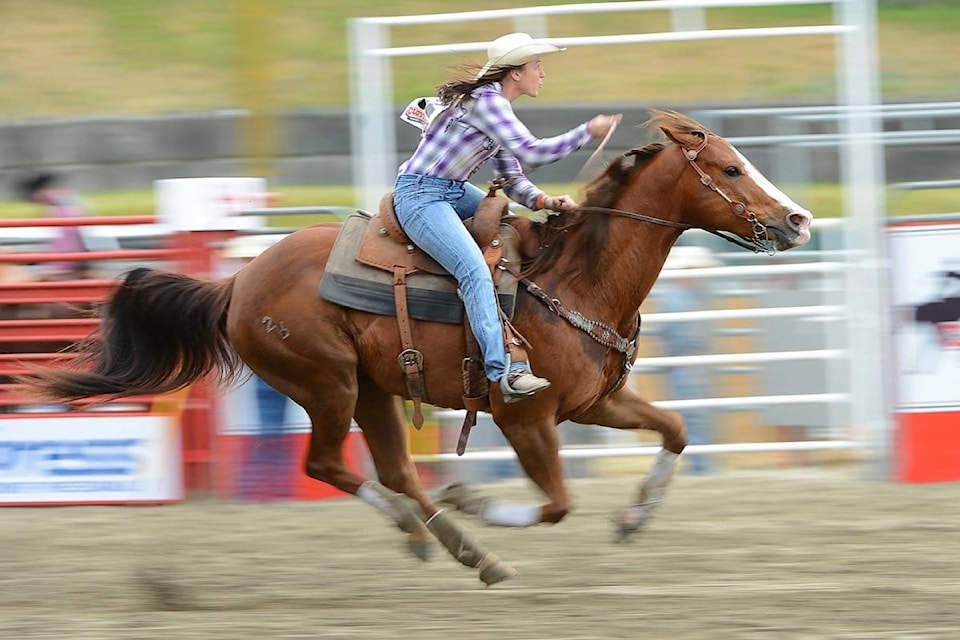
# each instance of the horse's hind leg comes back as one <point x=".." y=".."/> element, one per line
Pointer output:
<point x="384" y="424"/>
<point x="330" y="418"/>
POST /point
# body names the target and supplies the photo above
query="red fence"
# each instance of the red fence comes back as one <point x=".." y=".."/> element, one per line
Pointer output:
<point x="39" y="319"/>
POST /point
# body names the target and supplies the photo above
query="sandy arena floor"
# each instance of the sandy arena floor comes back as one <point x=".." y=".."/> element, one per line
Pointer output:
<point x="749" y="556"/>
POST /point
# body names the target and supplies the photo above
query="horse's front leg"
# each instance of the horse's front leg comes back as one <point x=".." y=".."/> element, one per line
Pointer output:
<point x="624" y="409"/>
<point x="537" y="446"/>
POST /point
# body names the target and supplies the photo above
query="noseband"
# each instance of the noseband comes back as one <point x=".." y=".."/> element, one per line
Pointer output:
<point x="759" y="242"/>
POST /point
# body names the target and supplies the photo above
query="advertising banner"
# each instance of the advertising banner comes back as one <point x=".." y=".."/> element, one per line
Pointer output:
<point x="90" y="460"/>
<point x="925" y="292"/>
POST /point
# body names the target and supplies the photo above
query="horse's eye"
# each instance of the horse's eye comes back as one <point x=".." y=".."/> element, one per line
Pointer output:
<point x="732" y="171"/>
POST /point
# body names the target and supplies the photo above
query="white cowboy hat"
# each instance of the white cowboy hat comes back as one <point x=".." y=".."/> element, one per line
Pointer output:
<point x="515" y="49"/>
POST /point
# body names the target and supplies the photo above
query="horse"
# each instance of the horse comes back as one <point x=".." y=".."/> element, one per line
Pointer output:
<point x="585" y="274"/>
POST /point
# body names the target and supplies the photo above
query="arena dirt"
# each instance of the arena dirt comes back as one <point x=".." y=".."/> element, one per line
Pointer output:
<point x="749" y="556"/>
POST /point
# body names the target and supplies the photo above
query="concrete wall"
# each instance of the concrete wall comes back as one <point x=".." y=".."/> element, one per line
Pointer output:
<point x="129" y="153"/>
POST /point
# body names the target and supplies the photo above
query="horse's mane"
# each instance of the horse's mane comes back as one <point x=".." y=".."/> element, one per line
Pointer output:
<point x="556" y="234"/>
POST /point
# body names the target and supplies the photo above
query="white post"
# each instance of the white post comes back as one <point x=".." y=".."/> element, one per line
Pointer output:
<point x="692" y="18"/>
<point x="862" y="165"/>
<point x="373" y="137"/>
<point x="536" y="26"/>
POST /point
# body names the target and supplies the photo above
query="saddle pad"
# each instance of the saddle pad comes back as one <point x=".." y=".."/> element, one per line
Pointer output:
<point x="429" y="297"/>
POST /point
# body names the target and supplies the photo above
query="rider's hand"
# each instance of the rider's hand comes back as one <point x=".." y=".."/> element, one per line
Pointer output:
<point x="600" y="125"/>
<point x="559" y="203"/>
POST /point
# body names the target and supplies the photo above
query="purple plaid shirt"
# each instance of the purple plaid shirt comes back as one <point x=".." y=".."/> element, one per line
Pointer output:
<point x="483" y="127"/>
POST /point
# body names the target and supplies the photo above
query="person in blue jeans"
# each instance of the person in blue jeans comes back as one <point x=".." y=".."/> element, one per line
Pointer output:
<point x="475" y="124"/>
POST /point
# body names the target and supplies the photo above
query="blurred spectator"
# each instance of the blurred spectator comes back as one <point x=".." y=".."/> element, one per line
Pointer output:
<point x="40" y="188"/>
<point x="686" y="293"/>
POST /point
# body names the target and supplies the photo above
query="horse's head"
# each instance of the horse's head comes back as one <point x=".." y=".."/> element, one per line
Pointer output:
<point x="694" y="178"/>
<point x="728" y="193"/>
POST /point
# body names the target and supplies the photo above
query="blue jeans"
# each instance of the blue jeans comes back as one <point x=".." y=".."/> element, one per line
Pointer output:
<point x="431" y="211"/>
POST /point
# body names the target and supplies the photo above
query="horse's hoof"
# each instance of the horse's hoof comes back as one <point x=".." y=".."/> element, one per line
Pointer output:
<point x="494" y="570"/>
<point x="461" y="497"/>
<point x="628" y="522"/>
<point x="420" y="544"/>
<point x="452" y="494"/>
<point x="422" y="549"/>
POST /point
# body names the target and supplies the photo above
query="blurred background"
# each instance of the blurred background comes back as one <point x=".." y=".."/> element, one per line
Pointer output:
<point x="117" y="94"/>
<point x="253" y="118"/>
<point x="191" y="134"/>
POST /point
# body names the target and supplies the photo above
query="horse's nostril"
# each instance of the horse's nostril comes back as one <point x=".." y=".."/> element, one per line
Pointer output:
<point x="800" y="220"/>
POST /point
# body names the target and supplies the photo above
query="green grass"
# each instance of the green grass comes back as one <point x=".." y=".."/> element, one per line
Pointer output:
<point x="138" y="57"/>
<point x="129" y="56"/>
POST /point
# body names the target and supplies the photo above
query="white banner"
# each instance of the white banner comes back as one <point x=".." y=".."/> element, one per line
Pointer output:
<point x="90" y="459"/>
<point x="201" y="204"/>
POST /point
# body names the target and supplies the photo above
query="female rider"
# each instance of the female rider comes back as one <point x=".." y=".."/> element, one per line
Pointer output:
<point x="433" y="197"/>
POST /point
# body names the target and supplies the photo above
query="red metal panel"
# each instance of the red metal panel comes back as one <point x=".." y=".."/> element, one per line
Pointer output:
<point x="928" y="447"/>
<point x="55" y="292"/>
<point x="189" y="253"/>
<point x="21" y="223"/>
<point x="120" y="254"/>
<point x="17" y="363"/>
<point x="52" y="330"/>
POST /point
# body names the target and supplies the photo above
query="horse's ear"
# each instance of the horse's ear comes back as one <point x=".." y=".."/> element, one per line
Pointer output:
<point x="671" y="135"/>
<point x="693" y="141"/>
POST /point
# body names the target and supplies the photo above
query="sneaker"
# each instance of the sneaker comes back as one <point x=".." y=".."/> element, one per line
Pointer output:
<point x="517" y="385"/>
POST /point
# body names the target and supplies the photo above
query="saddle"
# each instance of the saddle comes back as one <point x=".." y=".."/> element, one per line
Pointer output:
<point x="373" y="252"/>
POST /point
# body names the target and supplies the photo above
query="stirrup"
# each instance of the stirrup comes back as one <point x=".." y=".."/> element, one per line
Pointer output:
<point x="531" y="384"/>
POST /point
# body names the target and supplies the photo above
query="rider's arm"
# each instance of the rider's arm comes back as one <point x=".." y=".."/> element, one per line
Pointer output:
<point x="493" y="115"/>
<point x="519" y="189"/>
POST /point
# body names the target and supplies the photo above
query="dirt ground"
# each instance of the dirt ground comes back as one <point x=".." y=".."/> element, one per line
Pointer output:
<point x="788" y="555"/>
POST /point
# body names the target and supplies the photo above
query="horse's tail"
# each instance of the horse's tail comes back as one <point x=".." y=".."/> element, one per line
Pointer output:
<point x="159" y="332"/>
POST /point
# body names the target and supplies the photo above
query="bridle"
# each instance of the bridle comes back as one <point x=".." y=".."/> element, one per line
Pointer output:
<point x="760" y="241"/>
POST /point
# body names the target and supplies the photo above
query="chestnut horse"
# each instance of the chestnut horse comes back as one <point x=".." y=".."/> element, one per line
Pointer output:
<point x="586" y="272"/>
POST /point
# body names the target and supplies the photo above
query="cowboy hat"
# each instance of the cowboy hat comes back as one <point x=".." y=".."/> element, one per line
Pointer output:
<point x="515" y="49"/>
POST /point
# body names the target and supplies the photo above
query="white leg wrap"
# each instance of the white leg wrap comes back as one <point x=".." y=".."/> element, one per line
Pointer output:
<point x="652" y="490"/>
<point x="506" y="514"/>
<point x="369" y="494"/>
